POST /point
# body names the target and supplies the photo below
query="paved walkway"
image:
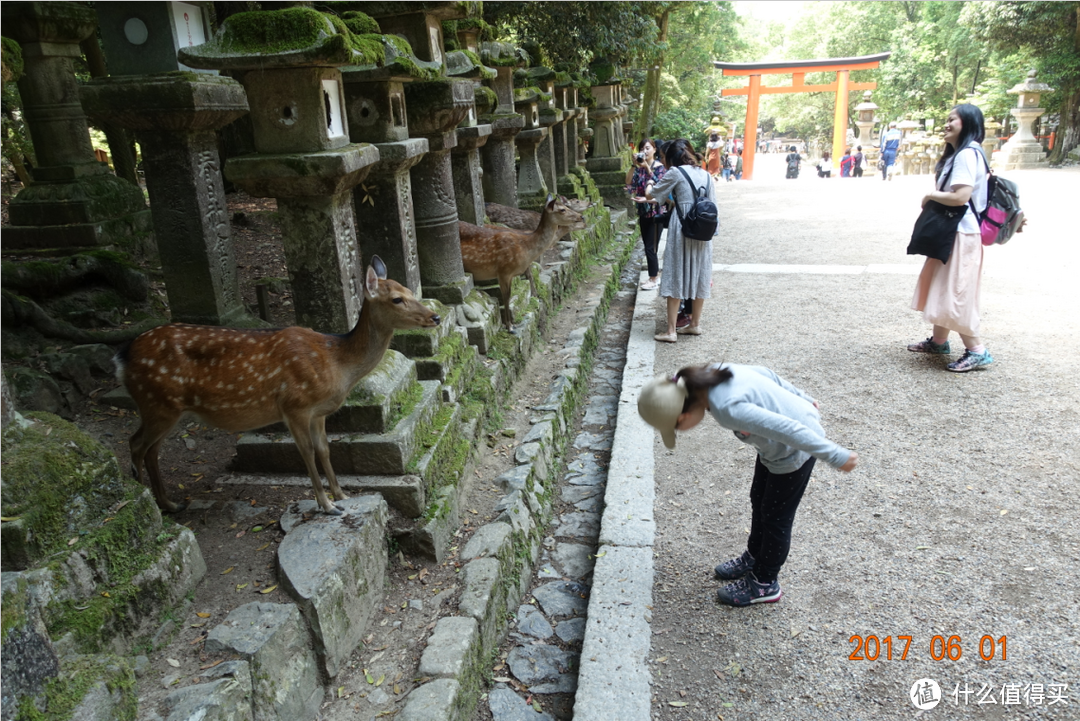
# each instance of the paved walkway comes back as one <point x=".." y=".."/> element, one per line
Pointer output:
<point x="961" y="520"/>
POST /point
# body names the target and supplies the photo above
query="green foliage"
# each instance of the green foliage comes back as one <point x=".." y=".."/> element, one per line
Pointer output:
<point x="576" y="32"/>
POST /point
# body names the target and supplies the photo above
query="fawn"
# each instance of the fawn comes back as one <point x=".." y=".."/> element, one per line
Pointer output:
<point x="239" y="380"/>
<point x="502" y="253"/>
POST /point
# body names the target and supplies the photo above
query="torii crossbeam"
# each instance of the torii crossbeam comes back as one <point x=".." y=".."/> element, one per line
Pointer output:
<point x="798" y="69"/>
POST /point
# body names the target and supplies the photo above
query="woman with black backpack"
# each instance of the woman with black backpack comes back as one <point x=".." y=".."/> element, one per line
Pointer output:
<point x="793" y="161"/>
<point x="687" y="262"/>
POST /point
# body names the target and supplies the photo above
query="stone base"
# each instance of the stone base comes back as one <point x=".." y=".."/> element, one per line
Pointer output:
<point x="362" y="453"/>
<point x="129" y="230"/>
<point x="1029" y="155"/>
<point x="601" y="165"/>
<point x="451" y="293"/>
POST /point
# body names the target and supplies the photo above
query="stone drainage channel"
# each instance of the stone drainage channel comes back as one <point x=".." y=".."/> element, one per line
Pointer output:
<point x="535" y="677"/>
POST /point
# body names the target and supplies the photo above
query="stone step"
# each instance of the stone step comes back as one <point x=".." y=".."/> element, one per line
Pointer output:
<point x="385" y="453"/>
<point x="405" y="494"/>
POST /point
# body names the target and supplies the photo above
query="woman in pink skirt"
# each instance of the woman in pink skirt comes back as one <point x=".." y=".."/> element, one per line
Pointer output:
<point x="948" y="292"/>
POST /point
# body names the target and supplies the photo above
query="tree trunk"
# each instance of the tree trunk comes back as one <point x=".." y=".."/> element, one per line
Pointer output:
<point x="119" y="143"/>
<point x="650" y="96"/>
<point x="1068" y="132"/>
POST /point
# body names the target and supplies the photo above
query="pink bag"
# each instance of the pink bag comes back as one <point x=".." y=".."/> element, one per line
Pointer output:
<point x="990" y="224"/>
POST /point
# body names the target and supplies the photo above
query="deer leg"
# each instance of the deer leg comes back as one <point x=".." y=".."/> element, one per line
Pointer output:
<point x="145" y="444"/>
<point x="300" y="428"/>
<point x="322" y="450"/>
<point x="504" y="290"/>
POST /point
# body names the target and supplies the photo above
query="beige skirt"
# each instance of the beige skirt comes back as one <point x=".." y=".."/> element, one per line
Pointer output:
<point x="948" y="293"/>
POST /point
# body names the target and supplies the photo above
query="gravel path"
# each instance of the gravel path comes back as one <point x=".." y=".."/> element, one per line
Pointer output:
<point x="960" y="524"/>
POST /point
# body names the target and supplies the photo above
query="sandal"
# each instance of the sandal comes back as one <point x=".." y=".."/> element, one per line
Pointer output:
<point x="666" y="338"/>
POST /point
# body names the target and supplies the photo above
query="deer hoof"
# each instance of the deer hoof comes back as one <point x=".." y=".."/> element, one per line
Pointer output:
<point x="334" y="511"/>
<point x="170" y="507"/>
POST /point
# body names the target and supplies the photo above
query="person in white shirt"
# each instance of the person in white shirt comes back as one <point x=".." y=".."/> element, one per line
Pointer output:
<point x="947" y="292"/>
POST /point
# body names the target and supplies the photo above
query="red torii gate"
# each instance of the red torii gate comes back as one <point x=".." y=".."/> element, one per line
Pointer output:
<point x="798" y="69"/>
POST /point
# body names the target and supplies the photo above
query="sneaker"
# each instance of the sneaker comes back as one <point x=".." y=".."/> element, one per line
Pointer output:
<point x="747" y="591"/>
<point x="971" y="361"/>
<point x="929" y="346"/>
<point x="682" y="321"/>
<point x="735" y="568"/>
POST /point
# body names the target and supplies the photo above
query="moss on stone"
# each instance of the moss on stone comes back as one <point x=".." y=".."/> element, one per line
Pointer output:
<point x="404" y="403"/>
<point x="79" y="674"/>
<point x="277" y="31"/>
<point x="13" y="59"/>
<point x="360" y="23"/>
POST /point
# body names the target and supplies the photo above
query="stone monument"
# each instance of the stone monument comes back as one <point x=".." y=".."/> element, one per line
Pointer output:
<point x="1023" y="149"/>
<point x="75" y="200"/>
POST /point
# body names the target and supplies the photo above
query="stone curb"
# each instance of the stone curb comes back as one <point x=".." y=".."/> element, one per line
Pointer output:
<point x="614" y="671"/>
<point x="500" y="557"/>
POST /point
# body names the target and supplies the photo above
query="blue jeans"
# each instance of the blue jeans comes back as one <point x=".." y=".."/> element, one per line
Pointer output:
<point x="727" y="173"/>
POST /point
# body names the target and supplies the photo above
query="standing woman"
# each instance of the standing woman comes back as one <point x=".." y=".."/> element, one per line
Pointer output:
<point x="651" y="215"/>
<point x="947" y="293"/>
<point x="783" y="424"/>
<point x="687" y="262"/>
<point x="714" y="149"/>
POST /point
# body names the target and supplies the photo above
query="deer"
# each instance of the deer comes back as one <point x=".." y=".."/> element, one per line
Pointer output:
<point x="241" y="379"/>
<point x="528" y="220"/>
<point x="502" y="254"/>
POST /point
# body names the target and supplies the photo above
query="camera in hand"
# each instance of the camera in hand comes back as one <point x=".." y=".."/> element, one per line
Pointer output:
<point x="639" y="158"/>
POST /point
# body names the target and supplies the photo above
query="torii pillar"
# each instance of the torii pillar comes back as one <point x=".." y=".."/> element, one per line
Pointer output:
<point x="798" y="69"/>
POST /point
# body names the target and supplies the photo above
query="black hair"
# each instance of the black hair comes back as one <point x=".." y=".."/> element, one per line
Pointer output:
<point x="641" y="144"/>
<point x="859" y="148"/>
<point x="972" y="128"/>
<point x="791" y="149"/>
<point x="680" y="152"/>
<point x="700" y="380"/>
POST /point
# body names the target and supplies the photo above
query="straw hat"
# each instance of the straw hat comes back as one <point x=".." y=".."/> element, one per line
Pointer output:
<point x="661" y="403"/>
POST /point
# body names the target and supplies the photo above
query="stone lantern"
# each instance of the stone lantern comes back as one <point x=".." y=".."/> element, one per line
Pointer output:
<point x="532" y="186"/>
<point x="471" y="136"/>
<point x="75" y="200"/>
<point x="500" y="174"/>
<point x="1023" y="149"/>
<point x="865" y="123"/>
<point x="289" y="60"/>
<point x="990" y="142"/>
<point x="551" y="118"/>
<point x="383" y="203"/>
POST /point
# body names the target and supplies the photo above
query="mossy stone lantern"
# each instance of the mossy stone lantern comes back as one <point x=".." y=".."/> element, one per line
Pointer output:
<point x="471" y="136"/>
<point x="553" y="146"/>
<point x="75" y="201"/>
<point x="500" y="173"/>
<point x="532" y="185"/>
<point x="175" y="115"/>
<point x="375" y="100"/>
<point x="288" y="61"/>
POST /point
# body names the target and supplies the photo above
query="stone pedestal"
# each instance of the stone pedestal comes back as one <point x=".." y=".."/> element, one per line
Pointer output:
<point x="435" y="110"/>
<point x="303" y="155"/>
<point x="497" y="154"/>
<point x="465" y="160"/>
<point x="1023" y="149"/>
<point x="75" y="201"/>
<point x="552" y="120"/>
<point x="990" y="142"/>
<point x="175" y="117"/>
<point x="607" y="164"/>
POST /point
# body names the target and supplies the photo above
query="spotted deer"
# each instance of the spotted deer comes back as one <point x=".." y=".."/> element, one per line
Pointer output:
<point x="239" y="379"/>
<point x="502" y="254"/>
<point x="528" y="220"/>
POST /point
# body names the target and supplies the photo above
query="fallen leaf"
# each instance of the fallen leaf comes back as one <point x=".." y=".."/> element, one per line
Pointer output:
<point x="198" y="625"/>
<point x="256" y="529"/>
<point x="180" y="486"/>
<point x="173" y="662"/>
<point x="262" y="547"/>
<point x="73" y="541"/>
<point x="341" y="692"/>
<point x="662" y="659"/>
<point x="5" y="519"/>
<point x="397" y="690"/>
<point x="268" y="590"/>
<point x="368" y="676"/>
<point x="241" y="534"/>
<point x="537" y="707"/>
<point x="228" y="570"/>
<point x="211" y="665"/>
<point x="678" y="704"/>
<point x="380" y="681"/>
<point x="106" y="594"/>
<point x="501" y="679"/>
<point x="1003" y="511"/>
<point x="921" y="548"/>
<point x="240" y="586"/>
<point x="110" y="518"/>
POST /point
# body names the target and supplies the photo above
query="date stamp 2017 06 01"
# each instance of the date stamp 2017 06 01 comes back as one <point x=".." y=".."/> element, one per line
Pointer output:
<point x="940" y="648"/>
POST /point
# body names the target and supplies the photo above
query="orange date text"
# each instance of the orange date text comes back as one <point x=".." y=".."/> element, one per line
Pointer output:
<point x="940" y="648"/>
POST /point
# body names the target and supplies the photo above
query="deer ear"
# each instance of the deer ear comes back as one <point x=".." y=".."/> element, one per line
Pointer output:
<point x="371" y="282"/>
<point x="379" y="266"/>
<point x="550" y="201"/>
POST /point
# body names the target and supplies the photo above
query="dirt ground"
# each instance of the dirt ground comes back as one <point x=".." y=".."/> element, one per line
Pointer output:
<point x="237" y="526"/>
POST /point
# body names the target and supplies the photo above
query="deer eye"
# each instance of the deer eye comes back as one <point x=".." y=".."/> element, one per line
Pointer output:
<point x="399" y="299"/>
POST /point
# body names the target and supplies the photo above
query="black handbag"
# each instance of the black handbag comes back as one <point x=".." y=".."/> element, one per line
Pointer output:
<point x="935" y="230"/>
